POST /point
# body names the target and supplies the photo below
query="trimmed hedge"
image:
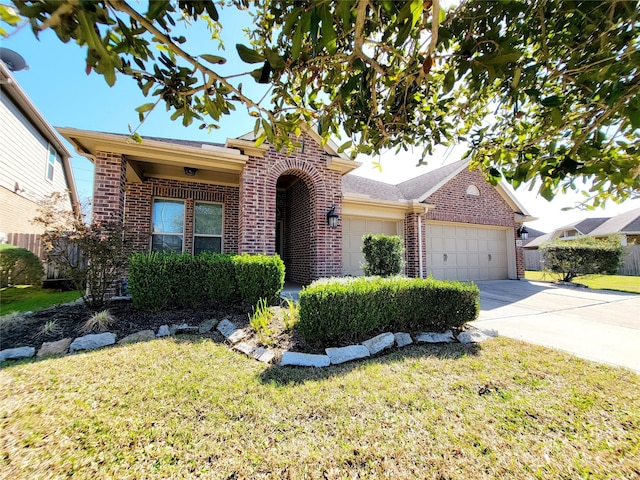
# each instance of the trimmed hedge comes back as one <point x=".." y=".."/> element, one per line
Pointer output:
<point x="382" y="254"/>
<point x="19" y="266"/>
<point x="353" y="308"/>
<point x="163" y="280"/>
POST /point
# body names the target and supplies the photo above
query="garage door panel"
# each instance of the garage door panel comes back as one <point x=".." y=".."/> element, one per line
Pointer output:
<point x="353" y="229"/>
<point x="466" y="252"/>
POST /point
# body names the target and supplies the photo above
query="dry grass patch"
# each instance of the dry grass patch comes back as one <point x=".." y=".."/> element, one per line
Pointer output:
<point x="191" y="409"/>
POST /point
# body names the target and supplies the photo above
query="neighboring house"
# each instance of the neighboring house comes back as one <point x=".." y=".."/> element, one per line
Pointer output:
<point x="33" y="164"/>
<point x="238" y="198"/>
<point x="626" y="226"/>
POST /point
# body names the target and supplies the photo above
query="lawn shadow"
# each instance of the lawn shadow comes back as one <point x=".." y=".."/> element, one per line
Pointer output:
<point x="291" y="375"/>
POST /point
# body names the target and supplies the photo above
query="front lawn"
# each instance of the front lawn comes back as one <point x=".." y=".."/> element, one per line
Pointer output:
<point x="25" y="298"/>
<point x="190" y="408"/>
<point x="621" y="283"/>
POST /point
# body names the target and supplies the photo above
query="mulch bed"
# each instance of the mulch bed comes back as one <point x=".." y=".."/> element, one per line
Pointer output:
<point x="28" y="330"/>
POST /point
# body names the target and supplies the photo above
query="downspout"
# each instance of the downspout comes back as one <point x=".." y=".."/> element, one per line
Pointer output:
<point x="420" y="255"/>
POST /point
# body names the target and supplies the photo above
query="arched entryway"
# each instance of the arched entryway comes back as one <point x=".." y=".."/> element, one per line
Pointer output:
<point x="294" y="225"/>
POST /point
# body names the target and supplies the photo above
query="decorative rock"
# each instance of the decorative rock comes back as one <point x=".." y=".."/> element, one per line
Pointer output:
<point x="163" y="331"/>
<point x="476" y="336"/>
<point x="245" y="348"/>
<point x="143" y="336"/>
<point x="17" y="353"/>
<point x="55" y="348"/>
<point x="207" y="326"/>
<point x="93" y="341"/>
<point x="184" y="328"/>
<point x="238" y="335"/>
<point x="345" y="354"/>
<point x="263" y="354"/>
<point x="304" y="360"/>
<point x="379" y="343"/>
<point x="226" y="328"/>
<point x="433" y="337"/>
<point x="402" y="339"/>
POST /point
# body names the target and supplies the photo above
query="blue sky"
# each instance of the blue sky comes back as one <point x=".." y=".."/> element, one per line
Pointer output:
<point x="57" y="84"/>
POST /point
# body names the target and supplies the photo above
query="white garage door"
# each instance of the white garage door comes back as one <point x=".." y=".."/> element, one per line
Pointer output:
<point x="353" y="228"/>
<point x="461" y="252"/>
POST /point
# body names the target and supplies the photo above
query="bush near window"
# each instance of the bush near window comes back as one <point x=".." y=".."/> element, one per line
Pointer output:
<point x="19" y="266"/>
<point x="587" y="255"/>
<point x="382" y="254"/>
<point x="355" y="308"/>
<point x="164" y="280"/>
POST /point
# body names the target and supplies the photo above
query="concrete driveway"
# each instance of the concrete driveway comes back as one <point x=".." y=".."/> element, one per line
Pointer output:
<point x="595" y="324"/>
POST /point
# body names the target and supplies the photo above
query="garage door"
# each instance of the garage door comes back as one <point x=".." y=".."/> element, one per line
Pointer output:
<point x="461" y="252"/>
<point x="353" y="228"/>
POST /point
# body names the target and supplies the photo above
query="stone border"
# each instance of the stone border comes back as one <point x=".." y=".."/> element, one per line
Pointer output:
<point x="235" y="337"/>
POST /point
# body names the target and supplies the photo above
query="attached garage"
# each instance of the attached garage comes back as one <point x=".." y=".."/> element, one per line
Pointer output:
<point x="468" y="252"/>
<point x="353" y="229"/>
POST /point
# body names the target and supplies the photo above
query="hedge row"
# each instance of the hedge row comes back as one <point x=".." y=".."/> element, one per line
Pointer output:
<point x="159" y="281"/>
<point x="354" y="308"/>
<point x="582" y="256"/>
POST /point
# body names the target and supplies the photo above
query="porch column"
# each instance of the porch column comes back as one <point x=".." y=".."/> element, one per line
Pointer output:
<point x="109" y="187"/>
<point x="412" y="245"/>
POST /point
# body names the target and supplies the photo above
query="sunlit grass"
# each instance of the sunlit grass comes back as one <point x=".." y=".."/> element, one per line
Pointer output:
<point x="621" y="283"/>
<point x="193" y="409"/>
<point x="25" y="298"/>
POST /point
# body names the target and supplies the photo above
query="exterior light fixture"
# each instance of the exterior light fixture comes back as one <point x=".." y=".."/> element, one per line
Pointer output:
<point x="190" y="171"/>
<point x="523" y="233"/>
<point x="332" y="217"/>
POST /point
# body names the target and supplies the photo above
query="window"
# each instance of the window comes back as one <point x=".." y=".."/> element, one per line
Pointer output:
<point x="51" y="163"/>
<point x="473" y="190"/>
<point x="207" y="228"/>
<point x="167" y="233"/>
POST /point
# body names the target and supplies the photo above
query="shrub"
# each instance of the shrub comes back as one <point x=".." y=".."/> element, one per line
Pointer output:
<point x="146" y="282"/>
<point x="168" y="280"/>
<point x="19" y="266"/>
<point x="382" y="254"/>
<point x="341" y="309"/>
<point x="584" y="256"/>
<point x="258" y="276"/>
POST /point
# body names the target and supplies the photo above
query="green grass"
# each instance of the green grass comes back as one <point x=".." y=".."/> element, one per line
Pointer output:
<point x="27" y="298"/>
<point x="620" y="283"/>
<point x="191" y="408"/>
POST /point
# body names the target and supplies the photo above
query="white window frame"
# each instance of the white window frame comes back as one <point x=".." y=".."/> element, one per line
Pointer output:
<point x="220" y="236"/>
<point x="52" y="159"/>
<point x="184" y="222"/>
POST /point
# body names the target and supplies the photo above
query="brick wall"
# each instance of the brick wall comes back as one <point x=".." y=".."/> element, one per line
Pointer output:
<point x="257" y="219"/>
<point x="298" y="229"/>
<point x="454" y="204"/>
<point x="411" y="245"/>
<point x="109" y="187"/>
<point x="139" y="200"/>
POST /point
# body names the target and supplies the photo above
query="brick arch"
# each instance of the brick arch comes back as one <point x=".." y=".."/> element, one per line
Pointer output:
<point x="299" y="218"/>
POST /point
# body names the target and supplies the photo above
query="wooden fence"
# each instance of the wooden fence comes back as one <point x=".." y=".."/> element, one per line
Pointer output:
<point x="31" y="242"/>
<point x="630" y="260"/>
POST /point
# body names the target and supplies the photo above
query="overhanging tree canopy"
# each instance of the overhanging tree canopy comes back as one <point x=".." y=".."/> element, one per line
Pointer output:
<point x="543" y="90"/>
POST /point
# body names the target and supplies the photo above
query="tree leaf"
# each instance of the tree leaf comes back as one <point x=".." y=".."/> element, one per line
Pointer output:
<point x="145" y="107"/>
<point x="249" y="55"/>
<point x="157" y="8"/>
<point x="551" y="101"/>
<point x="214" y="59"/>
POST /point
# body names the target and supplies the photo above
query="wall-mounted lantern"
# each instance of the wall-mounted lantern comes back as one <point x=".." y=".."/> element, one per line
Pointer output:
<point x="523" y="233"/>
<point x="332" y="217"/>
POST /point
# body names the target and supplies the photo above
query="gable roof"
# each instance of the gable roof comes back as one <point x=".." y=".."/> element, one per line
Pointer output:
<point x="18" y="96"/>
<point x="418" y="189"/>
<point x="628" y="222"/>
<point x="585" y="226"/>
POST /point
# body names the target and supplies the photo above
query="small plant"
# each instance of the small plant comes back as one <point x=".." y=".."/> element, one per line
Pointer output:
<point x="50" y="329"/>
<point x="99" y="322"/>
<point x="290" y="314"/>
<point x="11" y="319"/>
<point x="260" y="320"/>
